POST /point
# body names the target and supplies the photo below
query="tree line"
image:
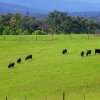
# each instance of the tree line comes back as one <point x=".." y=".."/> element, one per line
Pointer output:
<point x="55" y="22"/>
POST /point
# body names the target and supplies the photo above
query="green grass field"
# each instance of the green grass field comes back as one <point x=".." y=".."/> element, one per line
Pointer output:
<point x="50" y="73"/>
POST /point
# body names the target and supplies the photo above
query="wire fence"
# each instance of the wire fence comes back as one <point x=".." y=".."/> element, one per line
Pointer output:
<point x="50" y="37"/>
<point x="63" y="96"/>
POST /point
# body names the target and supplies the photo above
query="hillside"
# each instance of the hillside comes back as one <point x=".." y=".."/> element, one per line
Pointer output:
<point x="40" y="12"/>
<point x="12" y="8"/>
<point x="85" y="14"/>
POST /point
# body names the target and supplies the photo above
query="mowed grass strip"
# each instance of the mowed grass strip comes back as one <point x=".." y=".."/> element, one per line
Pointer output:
<point x="49" y="73"/>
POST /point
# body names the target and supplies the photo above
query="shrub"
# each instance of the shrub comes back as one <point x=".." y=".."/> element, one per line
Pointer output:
<point x="39" y="32"/>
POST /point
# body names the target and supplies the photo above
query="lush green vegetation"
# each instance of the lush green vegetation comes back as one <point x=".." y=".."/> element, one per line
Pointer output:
<point x="55" y="22"/>
<point x="49" y="73"/>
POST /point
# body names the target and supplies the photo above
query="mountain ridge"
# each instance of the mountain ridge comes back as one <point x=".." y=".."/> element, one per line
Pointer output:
<point x="13" y="8"/>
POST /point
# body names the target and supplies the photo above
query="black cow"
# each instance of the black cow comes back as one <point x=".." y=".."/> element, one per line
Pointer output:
<point x="88" y="52"/>
<point x="19" y="60"/>
<point x="28" y="57"/>
<point x="11" y="65"/>
<point x="82" y="53"/>
<point x="97" y="51"/>
<point x="64" y="51"/>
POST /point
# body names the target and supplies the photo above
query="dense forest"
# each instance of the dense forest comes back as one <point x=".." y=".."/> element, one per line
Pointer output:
<point x="55" y="22"/>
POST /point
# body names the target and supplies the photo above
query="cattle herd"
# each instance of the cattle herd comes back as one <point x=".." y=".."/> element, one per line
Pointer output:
<point x="88" y="53"/>
<point x="64" y="51"/>
<point x="11" y="65"/>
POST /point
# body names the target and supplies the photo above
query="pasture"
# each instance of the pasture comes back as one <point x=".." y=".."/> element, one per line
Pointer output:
<point x="49" y="73"/>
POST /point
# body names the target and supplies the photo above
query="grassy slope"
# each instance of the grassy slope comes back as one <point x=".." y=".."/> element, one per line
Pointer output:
<point x="49" y="73"/>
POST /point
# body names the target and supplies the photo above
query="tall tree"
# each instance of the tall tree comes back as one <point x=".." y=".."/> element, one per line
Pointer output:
<point x="55" y="19"/>
<point x="5" y="19"/>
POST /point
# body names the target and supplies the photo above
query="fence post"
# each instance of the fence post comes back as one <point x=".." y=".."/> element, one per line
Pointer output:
<point x="20" y="38"/>
<point x="36" y="37"/>
<point x="70" y="36"/>
<point x="52" y="36"/>
<point x="84" y="96"/>
<point x="63" y="96"/>
<point x="88" y="36"/>
<point x="45" y="97"/>
<point x="25" y="98"/>
<point x="4" y="37"/>
<point x="6" y="98"/>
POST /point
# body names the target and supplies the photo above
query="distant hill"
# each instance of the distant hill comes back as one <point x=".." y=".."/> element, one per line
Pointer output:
<point x="12" y="8"/>
<point x="85" y="14"/>
<point x="63" y="5"/>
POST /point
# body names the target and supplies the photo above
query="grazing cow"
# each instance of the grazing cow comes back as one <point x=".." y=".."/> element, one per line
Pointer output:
<point x="11" y="65"/>
<point x="64" y="51"/>
<point x="82" y="53"/>
<point x="28" y="57"/>
<point x="19" y="60"/>
<point x="97" y="51"/>
<point x="88" y="52"/>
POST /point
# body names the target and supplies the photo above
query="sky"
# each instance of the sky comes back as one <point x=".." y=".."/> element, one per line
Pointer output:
<point x="70" y="5"/>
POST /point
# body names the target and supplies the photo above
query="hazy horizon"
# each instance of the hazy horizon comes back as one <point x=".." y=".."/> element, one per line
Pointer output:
<point x="65" y="5"/>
